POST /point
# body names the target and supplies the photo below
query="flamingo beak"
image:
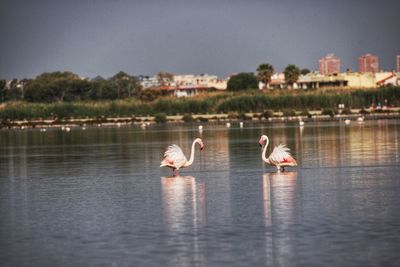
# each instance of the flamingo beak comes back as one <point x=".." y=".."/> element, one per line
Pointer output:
<point x="260" y="143"/>
<point x="201" y="148"/>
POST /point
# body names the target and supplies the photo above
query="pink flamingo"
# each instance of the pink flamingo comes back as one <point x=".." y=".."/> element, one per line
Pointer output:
<point x="175" y="159"/>
<point x="280" y="156"/>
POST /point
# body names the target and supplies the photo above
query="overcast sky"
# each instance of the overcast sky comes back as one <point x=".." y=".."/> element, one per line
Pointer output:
<point x="102" y="37"/>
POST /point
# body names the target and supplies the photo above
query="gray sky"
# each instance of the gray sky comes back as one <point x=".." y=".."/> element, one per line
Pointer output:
<point x="219" y="37"/>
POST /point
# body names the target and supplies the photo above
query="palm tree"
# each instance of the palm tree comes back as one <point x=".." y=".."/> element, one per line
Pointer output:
<point x="292" y="73"/>
<point x="264" y="73"/>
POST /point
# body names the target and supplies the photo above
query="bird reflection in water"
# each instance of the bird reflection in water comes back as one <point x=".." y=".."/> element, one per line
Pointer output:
<point x="278" y="194"/>
<point x="184" y="202"/>
<point x="184" y="213"/>
<point x="279" y="190"/>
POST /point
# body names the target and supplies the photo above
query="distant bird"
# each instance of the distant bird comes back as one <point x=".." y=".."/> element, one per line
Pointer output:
<point x="175" y="159"/>
<point x="347" y="121"/>
<point x="241" y="124"/>
<point x="228" y="125"/>
<point x="360" y="119"/>
<point x="200" y="128"/>
<point x="67" y="129"/>
<point x="143" y="126"/>
<point x="280" y="156"/>
<point x="301" y="122"/>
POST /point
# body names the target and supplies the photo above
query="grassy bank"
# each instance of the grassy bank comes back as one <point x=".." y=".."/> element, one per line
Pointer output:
<point x="225" y="102"/>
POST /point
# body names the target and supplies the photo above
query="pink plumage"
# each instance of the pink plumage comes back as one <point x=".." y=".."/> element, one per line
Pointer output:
<point x="280" y="156"/>
<point x="175" y="159"/>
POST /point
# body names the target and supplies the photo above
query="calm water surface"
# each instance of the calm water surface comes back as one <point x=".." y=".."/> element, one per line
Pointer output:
<point x="98" y="197"/>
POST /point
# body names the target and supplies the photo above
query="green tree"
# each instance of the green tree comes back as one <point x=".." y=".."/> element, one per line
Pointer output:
<point x="52" y="86"/>
<point x="127" y="85"/>
<point x="292" y="73"/>
<point x="3" y="91"/>
<point x="305" y="71"/>
<point x="264" y="73"/>
<point x="242" y="81"/>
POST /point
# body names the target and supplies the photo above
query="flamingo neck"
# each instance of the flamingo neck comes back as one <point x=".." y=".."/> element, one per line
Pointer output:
<point x="264" y="151"/>
<point x="191" y="159"/>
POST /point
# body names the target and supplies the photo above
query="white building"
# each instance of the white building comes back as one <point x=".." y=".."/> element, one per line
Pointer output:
<point x="148" y="81"/>
<point x="185" y="84"/>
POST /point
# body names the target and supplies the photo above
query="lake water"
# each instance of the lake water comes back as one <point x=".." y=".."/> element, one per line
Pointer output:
<point x="98" y="197"/>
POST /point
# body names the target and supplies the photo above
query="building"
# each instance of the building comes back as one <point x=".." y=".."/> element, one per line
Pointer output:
<point x="368" y="63"/>
<point x="398" y="63"/>
<point x="185" y="85"/>
<point x="148" y="81"/>
<point x="347" y="80"/>
<point x="329" y="64"/>
<point x="202" y="80"/>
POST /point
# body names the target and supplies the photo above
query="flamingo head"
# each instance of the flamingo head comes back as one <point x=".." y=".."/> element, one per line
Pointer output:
<point x="198" y="140"/>
<point x="262" y="140"/>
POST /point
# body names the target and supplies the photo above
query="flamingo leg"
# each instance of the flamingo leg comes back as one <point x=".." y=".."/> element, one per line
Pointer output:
<point x="177" y="172"/>
<point x="172" y="171"/>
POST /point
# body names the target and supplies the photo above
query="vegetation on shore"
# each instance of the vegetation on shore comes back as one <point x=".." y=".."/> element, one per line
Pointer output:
<point x="224" y="102"/>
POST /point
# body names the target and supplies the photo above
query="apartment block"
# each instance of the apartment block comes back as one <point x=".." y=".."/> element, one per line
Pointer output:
<point x="329" y="64"/>
<point x="368" y="63"/>
<point x="398" y="63"/>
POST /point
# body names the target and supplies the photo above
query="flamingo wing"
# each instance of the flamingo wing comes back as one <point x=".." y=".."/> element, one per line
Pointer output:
<point x="174" y="157"/>
<point x="281" y="155"/>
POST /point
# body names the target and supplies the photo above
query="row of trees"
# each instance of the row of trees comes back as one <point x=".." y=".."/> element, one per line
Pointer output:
<point x="67" y="86"/>
<point x="264" y="73"/>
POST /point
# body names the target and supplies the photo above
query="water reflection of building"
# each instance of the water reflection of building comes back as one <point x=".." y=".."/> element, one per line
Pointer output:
<point x="278" y="193"/>
<point x="349" y="145"/>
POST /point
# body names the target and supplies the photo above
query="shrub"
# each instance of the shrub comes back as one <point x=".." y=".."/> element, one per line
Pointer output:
<point x="232" y="115"/>
<point x="160" y="117"/>
<point x="329" y="111"/>
<point x="289" y="113"/>
<point x="149" y="94"/>
<point x="202" y="119"/>
<point x="306" y="113"/>
<point x="346" y="111"/>
<point x="267" y="114"/>
<point x="243" y="116"/>
<point x="187" y="117"/>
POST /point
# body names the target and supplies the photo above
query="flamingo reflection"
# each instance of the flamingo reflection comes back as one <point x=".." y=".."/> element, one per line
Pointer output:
<point x="278" y="199"/>
<point x="184" y="202"/>
<point x="278" y="194"/>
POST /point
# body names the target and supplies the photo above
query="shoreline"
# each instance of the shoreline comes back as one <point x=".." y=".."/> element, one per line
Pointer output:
<point x="144" y="121"/>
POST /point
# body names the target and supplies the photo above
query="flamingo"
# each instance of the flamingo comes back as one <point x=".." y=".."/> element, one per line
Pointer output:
<point x="280" y="156"/>
<point x="175" y="159"/>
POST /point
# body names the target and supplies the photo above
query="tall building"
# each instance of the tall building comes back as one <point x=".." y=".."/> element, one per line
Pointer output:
<point x="329" y="64"/>
<point x="368" y="63"/>
<point x="398" y="63"/>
